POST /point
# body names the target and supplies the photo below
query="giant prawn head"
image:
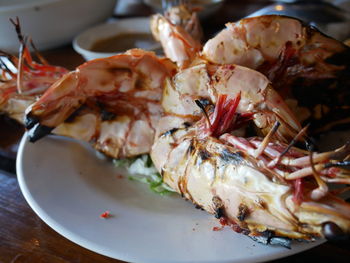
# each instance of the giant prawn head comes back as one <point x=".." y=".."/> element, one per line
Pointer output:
<point x="256" y="185"/>
<point x="306" y="67"/>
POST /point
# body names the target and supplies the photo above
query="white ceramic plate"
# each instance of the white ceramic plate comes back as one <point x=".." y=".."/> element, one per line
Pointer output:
<point x="69" y="187"/>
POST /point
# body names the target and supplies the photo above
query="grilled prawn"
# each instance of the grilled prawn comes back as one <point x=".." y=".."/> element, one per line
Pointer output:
<point x="114" y="103"/>
<point x="25" y="80"/>
<point x="203" y="83"/>
<point x="179" y="32"/>
<point x="245" y="181"/>
<point x="258" y="186"/>
<point x="307" y="68"/>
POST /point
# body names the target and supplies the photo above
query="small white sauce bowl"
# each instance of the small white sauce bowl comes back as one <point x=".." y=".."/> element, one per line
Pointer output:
<point x="85" y="41"/>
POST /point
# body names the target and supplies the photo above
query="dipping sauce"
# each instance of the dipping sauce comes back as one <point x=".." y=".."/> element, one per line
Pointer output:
<point x="125" y="41"/>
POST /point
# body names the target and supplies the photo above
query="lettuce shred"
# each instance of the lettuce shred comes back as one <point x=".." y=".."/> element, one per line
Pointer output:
<point x="142" y="169"/>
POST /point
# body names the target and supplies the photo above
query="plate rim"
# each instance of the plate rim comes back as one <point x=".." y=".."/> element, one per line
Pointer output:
<point x="75" y="238"/>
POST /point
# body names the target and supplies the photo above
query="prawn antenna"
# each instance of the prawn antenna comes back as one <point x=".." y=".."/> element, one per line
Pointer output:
<point x="297" y="137"/>
<point x="17" y="25"/>
<point x="37" y="53"/>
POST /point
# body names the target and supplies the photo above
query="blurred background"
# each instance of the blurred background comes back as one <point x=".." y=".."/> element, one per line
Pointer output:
<point x="53" y="23"/>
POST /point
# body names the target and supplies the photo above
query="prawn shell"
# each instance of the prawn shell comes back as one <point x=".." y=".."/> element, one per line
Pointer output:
<point x="308" y="69"/>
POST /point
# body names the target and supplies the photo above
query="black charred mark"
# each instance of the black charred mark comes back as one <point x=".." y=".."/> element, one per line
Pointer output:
<point x="71" y="118"/>
<point x="204" y="102"/>
<point x="75" y="114"/>
<point x="191" y="148"/>
<point x="218" y="206"/>
<point x="268" y="234"/>
<point x="230" y="157"/>
<point x="187" y="124"/>
<point x="243" y="212"/>
<point x="269" y="238"/>
<point x="107" y="116"/>
<point x="199" y="207"/>
<point x="170" y="132"/>
<point x="204" y="154"/>
<point x="38" y="131"/>
<point x="219" y="212"/>
<point x="30" y="121"/>
<point x="333" y="232"/>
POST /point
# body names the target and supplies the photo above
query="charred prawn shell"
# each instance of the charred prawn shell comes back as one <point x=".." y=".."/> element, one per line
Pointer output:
<point x="308" y="69"/>
<point x="263" y="187"/>
<point x="112" y="103"/>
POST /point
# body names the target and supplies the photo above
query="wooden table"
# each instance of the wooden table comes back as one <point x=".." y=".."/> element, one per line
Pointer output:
<point x="25" y="238"/>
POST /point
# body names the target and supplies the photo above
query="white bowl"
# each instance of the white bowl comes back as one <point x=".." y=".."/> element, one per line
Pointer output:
<point x="85" y="41"/>
<point x="50" y="23"/>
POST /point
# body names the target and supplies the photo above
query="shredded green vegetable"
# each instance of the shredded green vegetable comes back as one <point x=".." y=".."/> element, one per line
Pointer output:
<point x="142" y="169"/>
